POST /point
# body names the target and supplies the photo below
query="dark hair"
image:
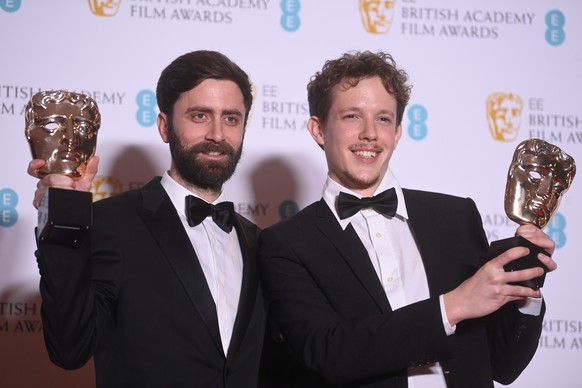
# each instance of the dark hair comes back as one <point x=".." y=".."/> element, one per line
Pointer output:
<point x="352" y="68"/>
<point x="189" y="70"/>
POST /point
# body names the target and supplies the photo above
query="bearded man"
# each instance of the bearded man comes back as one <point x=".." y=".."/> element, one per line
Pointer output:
<point x="163" y="290"/>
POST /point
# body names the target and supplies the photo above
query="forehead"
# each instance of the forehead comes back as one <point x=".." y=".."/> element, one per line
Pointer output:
<point x="548" y="162"/>
<point x="64" y="108"/>
<point x="369" y="92"/>
<point x="540" y="159"/>
<point x="214" y="89"/>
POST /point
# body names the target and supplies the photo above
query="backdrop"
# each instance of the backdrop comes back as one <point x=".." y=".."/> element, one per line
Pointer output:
<point x="486" y="75"/>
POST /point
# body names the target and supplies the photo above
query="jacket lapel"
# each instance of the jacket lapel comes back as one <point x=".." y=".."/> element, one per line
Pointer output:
<point x="351" y="249"/>
<point x="248" y="243"/>
<point x="427" y="241"/>
<point x="161" y="218"/>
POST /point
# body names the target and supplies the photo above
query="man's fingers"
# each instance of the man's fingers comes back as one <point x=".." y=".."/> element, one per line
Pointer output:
<point x="524" y="274"/>
<point x="34" y="166"/>
<point x="84" y="183"/>
<point x="548" y="262"/>
<point x="92" y="168"/>
<point x="537" y="236"/>
<point x="510" y="255"/>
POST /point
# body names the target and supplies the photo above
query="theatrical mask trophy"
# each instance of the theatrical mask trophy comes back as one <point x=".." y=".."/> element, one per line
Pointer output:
<point x="61" y="128"/>
<point x="539" y="174"/>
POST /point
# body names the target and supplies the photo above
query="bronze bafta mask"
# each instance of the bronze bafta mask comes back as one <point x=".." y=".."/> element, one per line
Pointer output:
<point x="61" y="128"/>
<point x="539" y="174"/>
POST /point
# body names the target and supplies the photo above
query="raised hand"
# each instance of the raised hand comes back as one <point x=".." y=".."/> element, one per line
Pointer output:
<point x="60" y="180"/>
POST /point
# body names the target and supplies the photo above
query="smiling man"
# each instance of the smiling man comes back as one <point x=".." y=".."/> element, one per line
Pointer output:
<point x="164" y="291"/>
<point x="381" y="286"/>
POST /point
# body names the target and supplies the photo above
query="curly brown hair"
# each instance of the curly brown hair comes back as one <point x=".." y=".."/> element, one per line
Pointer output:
<point x="351" y="68"/>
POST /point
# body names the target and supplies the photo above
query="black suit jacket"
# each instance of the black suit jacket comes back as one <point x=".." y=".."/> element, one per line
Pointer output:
<point x="134" y="296"/>
<point x="334" y="315"/>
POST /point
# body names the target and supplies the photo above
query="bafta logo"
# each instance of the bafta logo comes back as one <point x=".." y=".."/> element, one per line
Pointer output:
<point x="504" y="115"/>
<point x="377" y="15"/>
<point x="105" y="187"/>
<point x="104" y="7"/>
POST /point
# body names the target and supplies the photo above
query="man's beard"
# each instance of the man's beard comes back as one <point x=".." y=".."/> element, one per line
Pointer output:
<point x="204" y="174"/>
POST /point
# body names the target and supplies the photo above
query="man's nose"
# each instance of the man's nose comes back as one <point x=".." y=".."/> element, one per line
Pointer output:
<point x="369" y="130"/>
<point x="216" y="132"/>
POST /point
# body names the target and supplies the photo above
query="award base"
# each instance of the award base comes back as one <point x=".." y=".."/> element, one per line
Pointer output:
<point x="529" y="261"/>
<point x="64" y="216"/>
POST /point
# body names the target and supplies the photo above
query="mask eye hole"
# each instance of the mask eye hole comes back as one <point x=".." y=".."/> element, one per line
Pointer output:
<point x="51" y="127"/>
<point x="535" y="175"/>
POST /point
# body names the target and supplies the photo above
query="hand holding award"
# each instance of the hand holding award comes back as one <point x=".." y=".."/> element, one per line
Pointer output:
<point x="61" y="128"/>
<point x="539" y="175"/>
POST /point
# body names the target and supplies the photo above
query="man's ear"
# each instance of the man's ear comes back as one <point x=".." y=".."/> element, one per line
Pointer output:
<point x="315" y="127"/>
<point x="163" y="126"/>
<point x="397" y="135"/>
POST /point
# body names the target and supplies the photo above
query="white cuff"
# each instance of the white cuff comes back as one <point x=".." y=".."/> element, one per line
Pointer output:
<point x="531" y="306"/>
<point x="449" y="330"/>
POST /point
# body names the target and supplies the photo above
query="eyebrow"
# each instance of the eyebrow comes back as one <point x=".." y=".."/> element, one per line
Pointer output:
<point x="205" y="109"/>
<point x="357" y="109"/>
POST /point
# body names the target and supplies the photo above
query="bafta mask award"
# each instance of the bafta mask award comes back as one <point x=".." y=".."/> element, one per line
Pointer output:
<point x="61" y="128"/>
<point x="539" y="174"/>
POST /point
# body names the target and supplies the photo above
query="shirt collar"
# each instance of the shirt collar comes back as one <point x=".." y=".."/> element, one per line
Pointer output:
<point x="331" y="190"/>
<point x="178" y="193"/>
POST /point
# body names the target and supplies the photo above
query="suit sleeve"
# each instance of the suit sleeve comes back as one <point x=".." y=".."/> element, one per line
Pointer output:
<point x="76" y="285"/>
<point x="513" y="341"/>
<point x="342" y="347"/>
<point x="511" y="337"/>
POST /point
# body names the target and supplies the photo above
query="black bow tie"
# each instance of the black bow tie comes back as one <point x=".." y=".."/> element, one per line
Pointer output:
<point x="222" y="213"/>
<point x="384" y="203"/>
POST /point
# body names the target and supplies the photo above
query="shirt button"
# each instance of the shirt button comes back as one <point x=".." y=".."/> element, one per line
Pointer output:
<point x="390" y="279"/>
<point x="378" y="234"/>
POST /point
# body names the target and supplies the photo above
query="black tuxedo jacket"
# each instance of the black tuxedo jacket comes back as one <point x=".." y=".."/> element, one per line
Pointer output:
<point x="335" y="317"/>
<point x="134" y="296"/>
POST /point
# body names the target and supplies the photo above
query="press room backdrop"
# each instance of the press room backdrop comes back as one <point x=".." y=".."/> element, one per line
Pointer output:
<point x="459" y="54"/>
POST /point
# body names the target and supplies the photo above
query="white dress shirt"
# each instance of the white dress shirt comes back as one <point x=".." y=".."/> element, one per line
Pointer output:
<point x="398" y="264"/>
<point x="219" y="255"/>
<point x="396" y="259"/>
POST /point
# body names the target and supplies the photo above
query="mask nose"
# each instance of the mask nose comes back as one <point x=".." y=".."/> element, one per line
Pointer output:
<point x="70" y="136"/>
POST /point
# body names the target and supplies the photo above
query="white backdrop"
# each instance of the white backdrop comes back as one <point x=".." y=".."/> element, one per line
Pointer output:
<point x="456" y="52"/>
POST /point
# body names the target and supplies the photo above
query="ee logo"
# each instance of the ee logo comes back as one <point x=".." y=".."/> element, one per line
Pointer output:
<point x="417" y="115"/>
<point x="10" y="5"/>
<point x="555" y="21"/>
<point x="556" y="230"/>
<point x="288" y="208"/>
<point x="8" y="202"/>
<point x="146" y="108"/>
<point x="290" y="20"/>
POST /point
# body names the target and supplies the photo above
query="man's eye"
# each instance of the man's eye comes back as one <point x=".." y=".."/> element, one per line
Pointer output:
<point x="231" y="120"/>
